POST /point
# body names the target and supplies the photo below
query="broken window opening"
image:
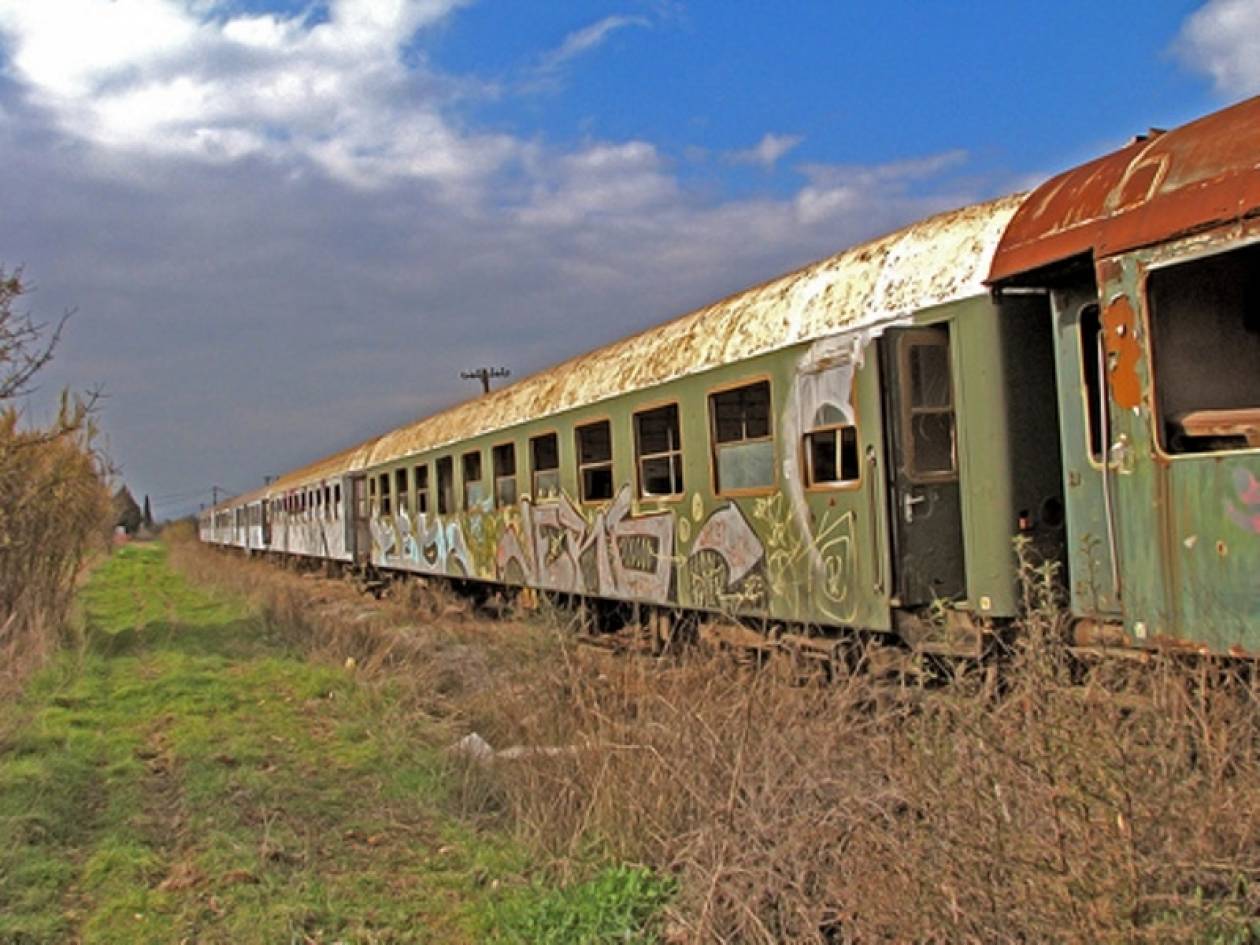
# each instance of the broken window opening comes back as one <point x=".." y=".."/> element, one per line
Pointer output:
<point x="402" y="489"/>
<point x="1205" y="341"/>
<point x="422" y="489"/>
<point x="831" y="450"/>
<point x="1090" y="327"/>
<point x="544" y="453"/>
<point x="658" y="451"/>
<point x="386" y="504"/>
<point x="474" y="489"/>
<point x="445" y="485"/>
<point x="503" y="458"/>
<point x="594" y="454"/>
<point x="742" y="444"/>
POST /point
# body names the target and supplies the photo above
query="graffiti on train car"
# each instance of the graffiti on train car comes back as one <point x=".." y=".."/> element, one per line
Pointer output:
<point x="552" y="544"/>
<point x="1246" y="513"/>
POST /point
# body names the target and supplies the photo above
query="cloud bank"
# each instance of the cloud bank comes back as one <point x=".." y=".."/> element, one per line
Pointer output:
<point x="283" y="233"/>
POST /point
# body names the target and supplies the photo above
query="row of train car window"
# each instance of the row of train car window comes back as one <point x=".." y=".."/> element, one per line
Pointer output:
<point x="320" y="502"/>
<point x="740" y="435"/>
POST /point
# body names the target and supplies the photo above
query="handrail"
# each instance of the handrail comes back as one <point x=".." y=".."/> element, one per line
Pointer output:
<point x="877" y="529"/>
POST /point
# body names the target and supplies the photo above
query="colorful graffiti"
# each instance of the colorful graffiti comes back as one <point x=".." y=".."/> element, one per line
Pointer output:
<point x="1247" y="513"/>
<point x="552" y="544"/>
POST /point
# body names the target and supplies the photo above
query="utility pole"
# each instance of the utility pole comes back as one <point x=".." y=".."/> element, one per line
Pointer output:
<point x="484" y="374"/>
<point x="214" y="494"/>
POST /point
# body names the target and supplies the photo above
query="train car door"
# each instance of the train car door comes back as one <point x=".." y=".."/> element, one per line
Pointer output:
<point x="359" y="525"/>
<point x="924" y="493"/>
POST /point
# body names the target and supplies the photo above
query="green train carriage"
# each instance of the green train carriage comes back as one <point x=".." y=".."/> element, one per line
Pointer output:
<point x="858" y="443"/>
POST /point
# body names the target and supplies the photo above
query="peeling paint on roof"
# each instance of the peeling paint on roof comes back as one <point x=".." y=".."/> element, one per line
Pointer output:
<point x="937" y="260"/>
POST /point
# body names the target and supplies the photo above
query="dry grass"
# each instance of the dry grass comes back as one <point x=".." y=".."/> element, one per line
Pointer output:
<point x="1052" y="802"/>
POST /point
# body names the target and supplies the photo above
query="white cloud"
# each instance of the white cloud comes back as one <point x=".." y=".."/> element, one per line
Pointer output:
<point x="1222" y="38"/>
<point x="588" y="38"/>
<point x="163" y="77"/>
<point x="233" y="276"/>
<point x="768" y="150"/>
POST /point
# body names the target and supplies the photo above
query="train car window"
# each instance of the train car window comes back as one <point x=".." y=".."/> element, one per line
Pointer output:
<point x="445" y="485"/>
<point x="328" y="503"/>
<point x="474" y="488"/>
<point x="1090" y="327"/>
<point x="929" y="408"/>
<point x="386" y="504"/>
<point x="743" y="448"/>
<point x="373" y="499"/>
<point x="337" y="500"/>
<point x="422" y="489"/>
<point x="831" y="449"/>
<point x="594" y="453"/>
<point x="1205" y="341"/>
<point x="544" y="458"/>
<point x="402" y="490"/>
<point x="658" y="451"/>
<point x="503" y="457"/>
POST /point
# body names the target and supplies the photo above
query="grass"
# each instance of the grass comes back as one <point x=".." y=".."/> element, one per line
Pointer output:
<point x="188" y="775"/>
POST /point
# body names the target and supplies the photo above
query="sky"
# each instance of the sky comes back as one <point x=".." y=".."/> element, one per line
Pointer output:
<point x="285" y="226"/>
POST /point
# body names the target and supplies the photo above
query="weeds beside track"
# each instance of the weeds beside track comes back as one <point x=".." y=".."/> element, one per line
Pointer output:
<point x="1114" y="802"/>
<point x="188" y="776"/>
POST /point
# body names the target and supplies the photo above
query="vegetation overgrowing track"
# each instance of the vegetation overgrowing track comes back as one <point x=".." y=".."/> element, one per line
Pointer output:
<point x="1106" y="801"/>
<point x="189" y="775"/>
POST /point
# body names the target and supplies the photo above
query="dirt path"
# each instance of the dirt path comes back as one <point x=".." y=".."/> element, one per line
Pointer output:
<point x="185" y="778"/>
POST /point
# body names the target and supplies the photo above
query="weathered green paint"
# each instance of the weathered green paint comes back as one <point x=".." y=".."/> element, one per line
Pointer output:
<point x="1088" y="550"/>
<point x="1189" y="567"/>
<point x="822" y="555"/>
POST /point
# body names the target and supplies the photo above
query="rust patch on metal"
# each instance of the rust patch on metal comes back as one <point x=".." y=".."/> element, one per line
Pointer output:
<point x="1123" y="353"/>
<point x="1159" y="187"/>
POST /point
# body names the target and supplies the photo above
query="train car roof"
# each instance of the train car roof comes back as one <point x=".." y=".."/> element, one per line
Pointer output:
<point x="937" y="260"/>
<point x="1158" y="187"/>
<point x="941" y="259"/>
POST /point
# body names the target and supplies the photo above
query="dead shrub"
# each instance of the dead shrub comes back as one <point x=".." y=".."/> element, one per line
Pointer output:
<point x="54" y="506"/>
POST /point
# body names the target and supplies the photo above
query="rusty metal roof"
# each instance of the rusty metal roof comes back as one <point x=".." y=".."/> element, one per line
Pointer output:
<point x="1154" y="189"/>
<point x="937" y="260"/>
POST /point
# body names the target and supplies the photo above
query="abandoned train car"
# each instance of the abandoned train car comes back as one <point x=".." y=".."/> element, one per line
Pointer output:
<point x="858" y="442"/>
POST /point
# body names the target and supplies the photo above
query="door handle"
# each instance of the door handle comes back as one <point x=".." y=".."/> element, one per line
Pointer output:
<point x="908" y="502"/>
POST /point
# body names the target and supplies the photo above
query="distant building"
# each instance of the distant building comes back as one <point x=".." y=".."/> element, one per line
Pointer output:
<point x="127" y="514"/>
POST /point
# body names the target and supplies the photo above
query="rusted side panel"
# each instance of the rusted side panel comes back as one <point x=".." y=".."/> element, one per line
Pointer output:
<point x="1168" y="185"/>
<point x="932" y="262"/>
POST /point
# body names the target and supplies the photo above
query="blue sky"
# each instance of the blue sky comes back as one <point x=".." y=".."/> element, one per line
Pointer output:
<point x="287" y="226"/>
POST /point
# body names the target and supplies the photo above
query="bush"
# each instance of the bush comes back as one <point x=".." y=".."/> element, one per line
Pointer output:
<point x="54" y="505"/>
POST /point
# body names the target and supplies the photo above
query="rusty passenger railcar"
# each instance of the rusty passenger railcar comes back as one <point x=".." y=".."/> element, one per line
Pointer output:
<point x="858" y="442"/>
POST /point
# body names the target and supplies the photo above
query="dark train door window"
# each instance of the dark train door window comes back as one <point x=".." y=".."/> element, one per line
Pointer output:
<point x="1090" y="328"/>
<point x="743" y="448"/>
<point x="422" y="489"/>
<point x="658" y="451"/>
<point x="337" y="500"/>
<point x="594" y="453"/>
<point x="544" y="460"/>
<point x="1205" y="340"/>
<point x="928" y="405"/>
<point x="503" y="459"/>
<point x="474" y="487"/>
<point x="445" y="485"/>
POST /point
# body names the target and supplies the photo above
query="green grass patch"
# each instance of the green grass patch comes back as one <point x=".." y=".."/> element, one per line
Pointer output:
<point x="186" y="777"/>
